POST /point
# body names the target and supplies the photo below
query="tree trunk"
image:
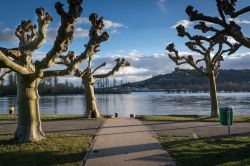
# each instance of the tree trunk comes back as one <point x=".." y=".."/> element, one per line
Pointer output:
<point x="29" y="123"/>
<point x="213" y="96"/>
<point x="91" y="108"/>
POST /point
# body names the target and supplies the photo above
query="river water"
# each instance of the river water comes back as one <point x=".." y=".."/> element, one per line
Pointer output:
<point x="140" y="103"/>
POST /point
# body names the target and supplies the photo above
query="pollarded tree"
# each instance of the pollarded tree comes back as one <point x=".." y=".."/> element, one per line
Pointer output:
<point x="226" y="21"/>
<point x="30" y="73"/>
<point x="208" y="63"/>
<point x="88" y="80"/>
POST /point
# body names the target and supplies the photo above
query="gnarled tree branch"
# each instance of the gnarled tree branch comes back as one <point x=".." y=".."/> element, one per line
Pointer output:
<point x="65" y="32"/>
<point x="119" y="64"/>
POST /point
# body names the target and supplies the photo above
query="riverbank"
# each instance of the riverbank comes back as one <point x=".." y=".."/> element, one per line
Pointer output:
<point x="200" y="140"/>
<point x="208" y="151"/>
<point x="68" y="141"/>
<point x="190" y="118"/>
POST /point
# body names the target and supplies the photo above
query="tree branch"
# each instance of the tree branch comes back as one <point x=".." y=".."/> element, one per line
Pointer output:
<point x="12" y="52"/>
<point x="119" y="64"/>
<point x="95" y="39"/>
<point x="186" y="59"/>
<point x="195" y="16"/>
<point x="12" y="65"/>
<point x="65" y="32"/>
<point x="35" y="39"/>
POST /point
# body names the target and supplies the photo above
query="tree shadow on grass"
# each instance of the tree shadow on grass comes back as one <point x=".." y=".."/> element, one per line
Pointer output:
<point x="39" y="158"/>
<point x="209" y="151"/>
<point x="12" y="154"/>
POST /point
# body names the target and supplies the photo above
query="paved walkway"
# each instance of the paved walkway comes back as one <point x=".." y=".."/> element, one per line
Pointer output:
<point x="126" y="142"/>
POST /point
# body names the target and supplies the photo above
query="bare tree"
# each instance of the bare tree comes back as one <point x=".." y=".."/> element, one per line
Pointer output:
<point x="226" y="21"/>
<point x="30" y="73"/>
<point x="208" y="63"/>
<point x="88" y="80"/>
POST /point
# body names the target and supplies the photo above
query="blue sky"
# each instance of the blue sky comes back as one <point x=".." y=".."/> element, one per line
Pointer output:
<point x="139" y="30"/>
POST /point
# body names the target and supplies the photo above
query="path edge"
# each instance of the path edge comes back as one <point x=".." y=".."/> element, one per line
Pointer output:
<point x="155" y="136"/>
<point x="83" y="162"/>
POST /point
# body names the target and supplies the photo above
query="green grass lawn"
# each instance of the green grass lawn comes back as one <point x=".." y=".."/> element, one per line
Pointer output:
<point x="195" y="118"/>
<point x="58" y="149"/>
<point x="208" y="152"/>
<point x="47" y="117"/>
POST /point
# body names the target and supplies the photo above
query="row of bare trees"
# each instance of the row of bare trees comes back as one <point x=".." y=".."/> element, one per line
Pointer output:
<point x="210" y="49"/>
<point x="212" y="43"/>
<point x="29" y="73"/>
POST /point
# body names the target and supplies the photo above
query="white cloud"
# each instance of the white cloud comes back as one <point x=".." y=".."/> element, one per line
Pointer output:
<point x="81" y="33"/>
<point x="239" y="21"/>
<point x="82" y="20"/>
<point x="112" y="25"/>
<point x="8" y="35"/>
<point x="184" y="23"/>
<point x="231" y="40"/>
<point x="142" y="67"/>
<point x="162" y="5"/>
<point x="237" y="61"/>
<point x="108" y="24"/>
<point x="78" y="33"/>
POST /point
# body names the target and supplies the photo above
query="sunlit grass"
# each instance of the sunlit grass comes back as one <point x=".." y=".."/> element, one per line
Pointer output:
<point x="195" y="118"/>
<point x="57" y="149"/>
<point x="207" y="152"/>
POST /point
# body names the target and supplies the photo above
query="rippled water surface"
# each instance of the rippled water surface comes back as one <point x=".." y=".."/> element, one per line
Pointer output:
<point x="147" y="103"/>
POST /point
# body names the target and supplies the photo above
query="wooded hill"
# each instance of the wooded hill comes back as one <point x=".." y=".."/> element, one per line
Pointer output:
<point x="227" y="80"/>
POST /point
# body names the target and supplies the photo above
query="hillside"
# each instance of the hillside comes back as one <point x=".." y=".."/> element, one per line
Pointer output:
<point x="227" y="80"/>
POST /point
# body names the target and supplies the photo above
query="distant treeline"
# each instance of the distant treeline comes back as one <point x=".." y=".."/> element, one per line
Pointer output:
<point x="51" y="86"/>
<point x="227" y="80"/>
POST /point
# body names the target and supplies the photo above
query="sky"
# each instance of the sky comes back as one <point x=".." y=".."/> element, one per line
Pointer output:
<point x="139" y="31"/>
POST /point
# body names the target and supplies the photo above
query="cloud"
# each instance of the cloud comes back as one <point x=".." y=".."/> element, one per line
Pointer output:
<point x="78" y="33"/>
<point x="162" y="5"/>
<point x="231" y="40"/>
<point x="81" y="33"/>
<point x="239" y="21"/>
<point x="108" y="24"/>
<point x="82" y="20"/>
<point x="237" y="61"/>
<point x="8" y="35"/>
<point x="142" y="67"/>
<point x="184" y="23"/>
<point x="112" y="25"/>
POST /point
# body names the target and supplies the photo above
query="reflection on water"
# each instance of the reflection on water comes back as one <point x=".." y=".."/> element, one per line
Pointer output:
<point x="150" y="103"/>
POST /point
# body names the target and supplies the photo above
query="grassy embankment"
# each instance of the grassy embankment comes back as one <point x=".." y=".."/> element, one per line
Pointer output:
<point x="194" y="118"/>
<point x="57" y="149"/>
<point x="207" y="152"/>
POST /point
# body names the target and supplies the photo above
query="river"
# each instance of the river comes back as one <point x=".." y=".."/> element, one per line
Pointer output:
<point x="140" y="103"/>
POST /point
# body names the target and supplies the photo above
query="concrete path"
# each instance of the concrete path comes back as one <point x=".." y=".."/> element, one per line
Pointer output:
<point x="126" y="142"/>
